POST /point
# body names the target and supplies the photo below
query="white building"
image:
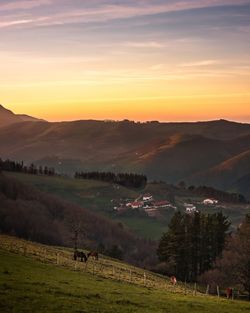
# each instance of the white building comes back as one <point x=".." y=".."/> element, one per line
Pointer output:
<point x="147" y="197"/>
<point x="210" y="201"/>
<point x="191" y="210"/>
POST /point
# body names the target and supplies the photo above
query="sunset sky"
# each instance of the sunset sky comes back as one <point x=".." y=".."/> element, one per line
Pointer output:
<point x="167" y="60"/>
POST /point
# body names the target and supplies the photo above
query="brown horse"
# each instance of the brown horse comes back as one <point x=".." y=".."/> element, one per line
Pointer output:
<point x="229" y="293"/>
<point x="173" y="280"/>
<point x="93" y="254"/>
<point x="80" y="254"/>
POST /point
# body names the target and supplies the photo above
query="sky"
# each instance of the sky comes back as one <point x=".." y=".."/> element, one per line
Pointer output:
<point x="166" y="60"/>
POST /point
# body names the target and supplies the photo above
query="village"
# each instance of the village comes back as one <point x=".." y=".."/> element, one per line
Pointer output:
<point x="152" y="208"/>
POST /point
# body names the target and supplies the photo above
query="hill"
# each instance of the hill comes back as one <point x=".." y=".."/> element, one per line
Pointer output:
<point x="163" y="151"/>
<point x="36" y="278"/>
<point x="102" y="197"/>
<point x="35" y="215"/>
<point x="225" y="174"/>
<point x="7" y="117"/>
<point x="156" y="149"/>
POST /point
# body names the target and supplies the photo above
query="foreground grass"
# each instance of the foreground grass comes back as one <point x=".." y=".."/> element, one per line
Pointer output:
<point x="27" y="285"/>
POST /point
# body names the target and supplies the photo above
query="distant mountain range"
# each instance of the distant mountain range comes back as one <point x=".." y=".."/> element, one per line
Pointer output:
<point x="215" y="153"/>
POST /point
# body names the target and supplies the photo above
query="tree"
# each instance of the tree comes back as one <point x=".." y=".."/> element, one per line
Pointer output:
<point x="233" y="268"/>
<point x="192" y="243"/>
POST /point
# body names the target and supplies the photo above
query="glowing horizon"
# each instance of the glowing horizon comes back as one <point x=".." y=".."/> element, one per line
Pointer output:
<point x="167" y="61"/>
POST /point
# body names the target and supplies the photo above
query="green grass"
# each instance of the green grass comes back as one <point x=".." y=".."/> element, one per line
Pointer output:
<point x="29" y="285"/>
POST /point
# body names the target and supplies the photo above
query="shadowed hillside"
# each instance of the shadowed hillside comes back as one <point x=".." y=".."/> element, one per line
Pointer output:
<point x="225" y="174"/>
<point x="35" y="215"/>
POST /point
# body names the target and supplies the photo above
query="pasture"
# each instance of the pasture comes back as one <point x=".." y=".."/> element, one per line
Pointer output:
<point x="38" y="278"/>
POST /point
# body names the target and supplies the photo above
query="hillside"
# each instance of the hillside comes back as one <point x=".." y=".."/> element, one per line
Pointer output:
<point x="163" y="151"/>
<point x="225" y="174"/>
<point x="38" y="278"/>
<point x="97" y="196"/>
<point x="7" y="117"/>
<point x="101" y="197"/>
<point x="31" y="214"/>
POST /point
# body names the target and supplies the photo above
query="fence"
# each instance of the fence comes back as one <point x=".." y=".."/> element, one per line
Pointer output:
<point x="104" y="267"/>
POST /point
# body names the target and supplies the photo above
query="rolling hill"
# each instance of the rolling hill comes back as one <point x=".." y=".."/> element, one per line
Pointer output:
<point x="163" y="151"/>
<point x="225" y="174"/>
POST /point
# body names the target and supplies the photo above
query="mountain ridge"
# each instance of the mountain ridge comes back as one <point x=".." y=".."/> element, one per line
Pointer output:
<point x="7" y="117"/>
<point x="163" y="151"/>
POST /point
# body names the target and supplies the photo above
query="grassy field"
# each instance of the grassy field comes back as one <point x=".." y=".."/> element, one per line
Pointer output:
<point x="29" y="283"/>
<point x="97" y="196"/>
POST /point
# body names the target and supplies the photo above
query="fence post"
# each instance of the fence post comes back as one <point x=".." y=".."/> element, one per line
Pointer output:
<point x="101" y="268"/>
<point x="207" y="291"/>
<point x="75" y="265"/>
<point x="57" y="258"/>
<point x="113" y="271"/>
<point x="195" y="289"/>
<point x="218" y="291"/>
<point x="144" y="278"/>
<point x="185" y="287"/>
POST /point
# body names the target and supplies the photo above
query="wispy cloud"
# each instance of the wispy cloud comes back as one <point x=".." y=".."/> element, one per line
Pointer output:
<point x="65" y="12"/>
<point x="201" y="63"/>
<point x="144" y="44"/>
<point x="23" y="5"/>
<point x="14" y="23"/>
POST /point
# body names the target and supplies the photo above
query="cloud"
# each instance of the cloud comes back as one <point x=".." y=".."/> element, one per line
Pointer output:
<point x="64" y="12"/>
<point x="23" y="5"/>
<point x="201" y="63"/>
<point x="14" y="23"/>
<point x="144" y="44"/>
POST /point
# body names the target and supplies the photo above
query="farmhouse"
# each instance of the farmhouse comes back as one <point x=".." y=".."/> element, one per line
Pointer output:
<point x="147" y="197"/>
<point x="137" y="204"/>
<point x="210" y="201"/>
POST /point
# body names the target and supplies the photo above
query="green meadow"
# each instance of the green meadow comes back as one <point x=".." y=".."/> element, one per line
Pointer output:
<point x="30" y="284"/>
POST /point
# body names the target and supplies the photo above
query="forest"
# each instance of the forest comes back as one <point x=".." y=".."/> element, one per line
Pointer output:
<point x="123" y="179"/>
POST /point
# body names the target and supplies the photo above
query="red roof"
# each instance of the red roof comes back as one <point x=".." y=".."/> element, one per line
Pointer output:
<point x="158" y="203"/>
<point x="137" y="203"/>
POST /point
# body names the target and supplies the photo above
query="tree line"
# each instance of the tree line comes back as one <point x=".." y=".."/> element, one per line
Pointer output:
<point x="14" y="166"/>
<point x="192" y="244"/>
<point x="218" y="194"/>
<point x="123" y="179"/>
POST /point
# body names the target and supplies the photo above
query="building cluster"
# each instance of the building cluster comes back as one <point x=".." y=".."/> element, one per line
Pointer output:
<point x="144" y="203"/>
<point x="190" y="208"/>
